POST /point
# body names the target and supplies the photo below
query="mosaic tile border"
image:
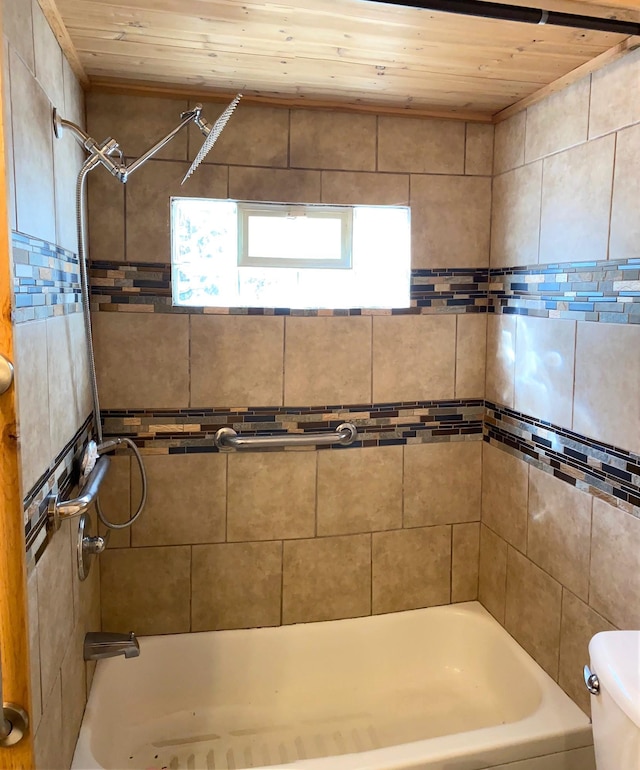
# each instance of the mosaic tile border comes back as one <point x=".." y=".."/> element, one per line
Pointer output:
<point x="46" y="279"/>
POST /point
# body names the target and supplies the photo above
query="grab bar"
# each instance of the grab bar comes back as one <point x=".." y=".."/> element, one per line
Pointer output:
<point x="67" y="509"/>
<point x="227" y="438"/>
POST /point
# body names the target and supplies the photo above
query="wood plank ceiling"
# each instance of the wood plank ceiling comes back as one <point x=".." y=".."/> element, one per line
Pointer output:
<point x="347" y="52"/>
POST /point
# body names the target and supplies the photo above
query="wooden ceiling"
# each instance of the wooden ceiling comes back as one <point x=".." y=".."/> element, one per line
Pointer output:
<point x="345" y="52"/>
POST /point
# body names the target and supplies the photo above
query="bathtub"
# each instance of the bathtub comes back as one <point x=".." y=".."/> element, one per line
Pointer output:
<point x="444" y="687"/>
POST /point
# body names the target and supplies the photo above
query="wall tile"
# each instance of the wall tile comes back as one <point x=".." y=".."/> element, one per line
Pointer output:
<point x="115" y="499"/>
<point x="501" y="357"/>
<point x="441" y="236"/>
<point x="74" y="692"/>
<point x="614" y="589"/>
<point x="279" y="185"/>
<point x="332" y="140"/>
<point x="73" y="95"/>
<point x="533" y="610"/>
<point x="411" y="568"/>
<point x="559" y="531"/>
<point x="492" y="573"/>
<point x="413" y="357"/>
<point x="34" y="650"/>
<point x="48" y="748"/>
<point x="327" y="360"/>
<point x="105" y="216"/>
<point x="464" y="564"/>
<point x="145" y="589"/>
<point x="579" y="624"/>
<point x="559" y="121"/>
<point x="365" y="189"/>
<point x="611" y="107"/>
<point x="186" y="502"/>
<point x="326" y="579"/>
<point x="471" y="355"/>
<point x="271" y="495"/>
<point x="18" y="29"/>
<point x="48" y="58"/>
<point x="67" y="158"/>
<point x="509" y="143"/>
<point x="625" y="224"/>
<point x="545" y="353"/>
<point x="576" y="199"/>
<point x="515" y="224"/>
<point x="606" y="404"/>
<point x="243" y="142"/>
<point x="236" y="585"/>
<point x="479" y="149"/>
<point x="142" y="360"/>
<point x="504" y="495"/>
<point x="421" y="146"/>
<point x="236" y="361"/>
<point x="8" y="131"/>
<point x="359" y="490"/>
<point x="442" y="483"/>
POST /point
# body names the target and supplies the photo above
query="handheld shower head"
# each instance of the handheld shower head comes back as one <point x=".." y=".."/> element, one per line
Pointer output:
<point x="212" y="135"/>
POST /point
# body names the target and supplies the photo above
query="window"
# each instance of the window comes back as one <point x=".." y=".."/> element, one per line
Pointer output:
<point x="241" y="254"/>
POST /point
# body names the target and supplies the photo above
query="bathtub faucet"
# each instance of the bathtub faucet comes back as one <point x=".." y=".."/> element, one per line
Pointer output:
<point x="100" y="644"/>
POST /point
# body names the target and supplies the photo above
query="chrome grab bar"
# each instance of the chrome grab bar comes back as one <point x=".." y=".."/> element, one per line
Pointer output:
<point x="67" y="509"/>
<point x="227" y="438"/>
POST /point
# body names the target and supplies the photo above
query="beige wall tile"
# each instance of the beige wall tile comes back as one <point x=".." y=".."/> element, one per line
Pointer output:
<point x="450" y="221"/>
<point x="471" y="355"/>
<point x="413" y="357"/>
<point x="74" y="692"/>
<point x="8" y="130"/>
<point x="142" y="360"/>
<point x="464" y="563"/>
<point x="509" y="143"/>
<point x="186" y="502"/>
<point x="479" y="149"/>
<point x="332" y="140"/>
<point x="533" y="610"/>
<point x="559" y="121"/>
<point x="33" y="154"/>
<point x="105" y="215"/>
<point x="559" y="531"/>
<point x="576" y="199"/>
<point x="74" y="105"/>
<point x="237" y="360"/>
<point x="579" y="624"/>
<point x="137" y="123"/>
<point x="30" y="344"/>
<point x="515" y="224"/>
<point x="146" y="589"/>
<point x="115" y="499"/>
<point x="68" y="159"/>
<point x="148" y="200"/>
<point x="365" y="189"/>
<point x="271" y="495"/>
<point x="327" y="360"/>
<point x="18" y="28"/>
<point x="606" y="404"/>
<point x="442" y="483"/>
<point x="359" y="490"/>
<point x="545" y="354"/>
<point x="48" y="748"/>
<point x="421" y="145"/>
<point x="236" y="585"/>
<point x="492" y="573"/>
<point x="504" y="495"/>
<point x="614" y="589"/>
<point x="611" y="107"/>
<point x="34" y="650"/>
<point x="48" y="58"/>
<point x="326" y="579"/>
<point x="501" y="357"/>
<point x="256" y="136"/>
<point x="625" y="224"/>
<point x="411" y="568"/>
<point x="280" y="185"/>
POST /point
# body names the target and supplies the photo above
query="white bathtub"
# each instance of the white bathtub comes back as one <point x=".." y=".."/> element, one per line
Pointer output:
<point x="444" y="687"/>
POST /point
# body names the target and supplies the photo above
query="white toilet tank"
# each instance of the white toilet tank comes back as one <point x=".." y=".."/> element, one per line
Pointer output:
<point x="615" y="711"/>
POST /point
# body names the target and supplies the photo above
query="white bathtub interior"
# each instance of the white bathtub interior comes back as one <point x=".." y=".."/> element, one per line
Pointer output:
<point x="408" y="689"/>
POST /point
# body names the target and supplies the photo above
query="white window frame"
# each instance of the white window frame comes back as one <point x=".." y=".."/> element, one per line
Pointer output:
<point x="282" y="210"/>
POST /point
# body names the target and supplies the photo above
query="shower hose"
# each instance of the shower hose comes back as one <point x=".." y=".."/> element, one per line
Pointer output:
<point x="103" y="446"/>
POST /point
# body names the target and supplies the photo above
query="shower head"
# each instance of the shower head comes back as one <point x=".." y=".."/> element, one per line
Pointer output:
<point x="212" y="135"/>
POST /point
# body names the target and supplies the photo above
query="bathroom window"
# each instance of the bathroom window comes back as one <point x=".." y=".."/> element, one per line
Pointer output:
<point x="229" y="253"/>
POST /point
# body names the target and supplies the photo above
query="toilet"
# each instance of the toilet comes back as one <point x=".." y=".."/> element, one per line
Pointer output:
<point x="614" y="683"/>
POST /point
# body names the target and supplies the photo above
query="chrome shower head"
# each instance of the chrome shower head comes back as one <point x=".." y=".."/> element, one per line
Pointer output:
<point x="212" y="134"/>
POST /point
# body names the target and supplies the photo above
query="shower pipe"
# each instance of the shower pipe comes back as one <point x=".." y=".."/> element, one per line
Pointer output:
<point x="526" y="15"/>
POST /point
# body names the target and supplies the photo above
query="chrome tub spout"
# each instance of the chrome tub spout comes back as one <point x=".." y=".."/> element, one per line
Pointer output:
<point x="100" y="644"/>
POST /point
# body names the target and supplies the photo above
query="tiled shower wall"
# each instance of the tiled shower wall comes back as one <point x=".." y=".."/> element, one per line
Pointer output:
<point x="281" y="537"/>
<point x="51" y="375"/>
<point x="560" y="554"/>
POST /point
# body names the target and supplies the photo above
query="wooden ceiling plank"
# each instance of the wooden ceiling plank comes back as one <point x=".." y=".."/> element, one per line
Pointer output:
<point x="53" y="17"/>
